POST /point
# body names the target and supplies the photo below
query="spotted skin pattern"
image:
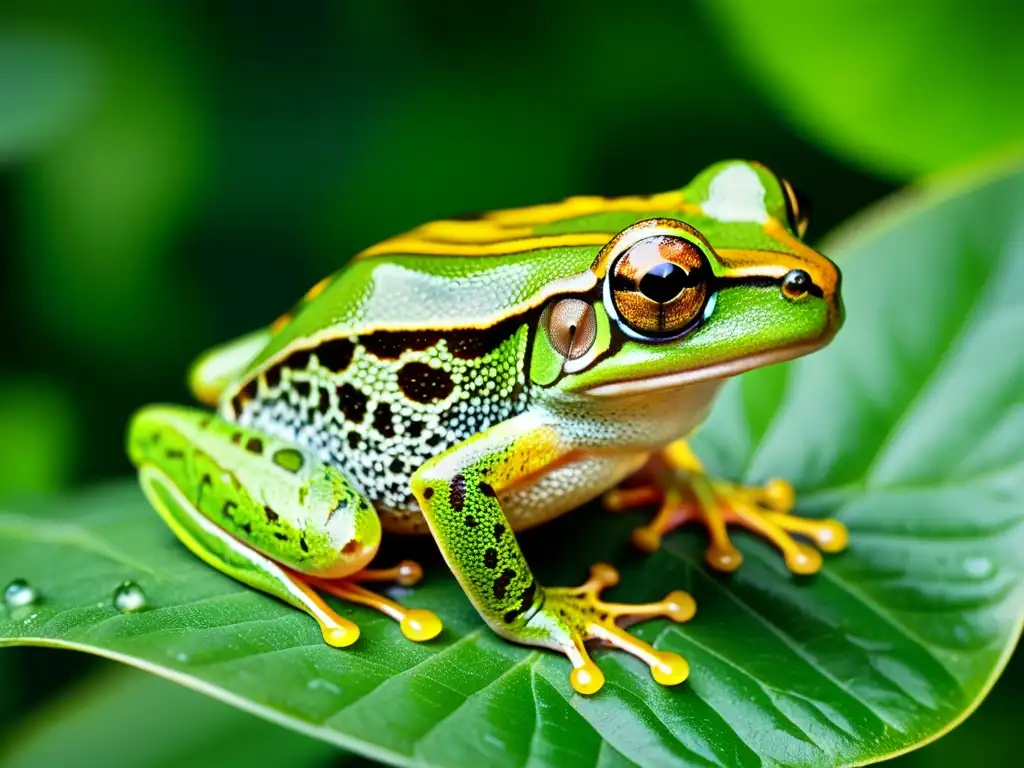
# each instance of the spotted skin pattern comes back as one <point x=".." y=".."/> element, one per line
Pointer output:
<point x="462" y="507"/>
<point x="379" y="407"/>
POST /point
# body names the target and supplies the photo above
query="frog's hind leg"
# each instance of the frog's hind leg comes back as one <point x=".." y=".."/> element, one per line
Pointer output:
<point x="406" y="574"/>
<point x="267" y="513"/>
<point x="227" y="554"/>
<point x="686" y="494"/>
<point x="417" y="624"/>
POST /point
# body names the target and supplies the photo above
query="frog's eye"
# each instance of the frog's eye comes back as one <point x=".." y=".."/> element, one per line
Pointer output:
<point x="797" y="209"/>
<point x="659" y="285"/>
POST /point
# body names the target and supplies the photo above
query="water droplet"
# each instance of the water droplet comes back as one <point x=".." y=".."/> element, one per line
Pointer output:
<point x="978" y="567"/>
<point x="18" y="594"/>
<point x="29" y="619"/>
<point x="129" y="598"/>
<point x="319" y="684"/>
<point x="181" y="656"/>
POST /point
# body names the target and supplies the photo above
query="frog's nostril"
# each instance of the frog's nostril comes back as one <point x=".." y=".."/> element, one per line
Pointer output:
<point x="796" y="284"/>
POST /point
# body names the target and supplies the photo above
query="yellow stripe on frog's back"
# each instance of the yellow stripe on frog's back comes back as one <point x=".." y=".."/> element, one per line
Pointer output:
<point x="574" y="207"/>
<point x="513" y="230"/>
<point x="409" y="245"/>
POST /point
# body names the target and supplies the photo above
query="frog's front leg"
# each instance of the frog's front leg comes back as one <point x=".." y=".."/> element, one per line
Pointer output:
<point x="268" y="514"/>
<point x="685" y="493"/>
<point x="459" y="493"/>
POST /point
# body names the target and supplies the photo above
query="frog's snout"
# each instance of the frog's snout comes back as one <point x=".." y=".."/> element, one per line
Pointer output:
<point x="838" y="312"/>
<point x="834" y="297"/>
<point x="821" y="281"/>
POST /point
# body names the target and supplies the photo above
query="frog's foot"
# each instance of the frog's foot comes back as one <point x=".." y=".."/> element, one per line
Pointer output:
<point x="337" y="630"/>
<point x="569" y="617"/>
<point x="765" y="510"/>
<point x="417" y="624"/>
<point x="406" y="574"/>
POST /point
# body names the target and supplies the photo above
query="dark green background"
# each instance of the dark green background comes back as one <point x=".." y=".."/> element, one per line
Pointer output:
<point x="183" y="171"/>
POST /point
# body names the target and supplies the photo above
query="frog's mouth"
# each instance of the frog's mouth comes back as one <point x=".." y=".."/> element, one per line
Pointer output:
<point x="721" y="370"/>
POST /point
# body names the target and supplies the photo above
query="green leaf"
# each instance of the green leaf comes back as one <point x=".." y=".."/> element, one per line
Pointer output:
<point x="910" y="428"/>
<point x="906" y="88"/>
<point x="990" y="736"/>
<point x="122" y="717"/>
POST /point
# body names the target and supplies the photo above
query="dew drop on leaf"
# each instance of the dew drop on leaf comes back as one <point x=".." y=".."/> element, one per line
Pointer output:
<point x="18" y="594"/>
<point x="129" y="598"/>
<point x="978" y="567"/>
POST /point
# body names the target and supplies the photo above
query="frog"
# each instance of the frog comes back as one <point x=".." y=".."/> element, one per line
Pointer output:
<point x="481" y="375"/>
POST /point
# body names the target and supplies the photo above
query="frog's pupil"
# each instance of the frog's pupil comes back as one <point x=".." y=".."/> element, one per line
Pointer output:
<point x="663" y="282"/>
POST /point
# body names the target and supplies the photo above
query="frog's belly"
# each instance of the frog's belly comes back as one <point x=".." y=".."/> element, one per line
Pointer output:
<point x="550" y="495"/>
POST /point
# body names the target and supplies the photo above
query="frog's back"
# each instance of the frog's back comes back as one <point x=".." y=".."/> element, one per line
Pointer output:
<point x="473" y="272"/>
<point x="423" y="340"/>
<point x="466" y="273"/>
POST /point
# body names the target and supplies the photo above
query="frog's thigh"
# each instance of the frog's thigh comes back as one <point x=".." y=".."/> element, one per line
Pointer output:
<point x="266" y="513"/>
<point x="458" y="493"/>
<point x="219" y="549"/>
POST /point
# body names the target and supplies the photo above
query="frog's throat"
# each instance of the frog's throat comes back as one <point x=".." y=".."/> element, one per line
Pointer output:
<point x="721" y="370"/>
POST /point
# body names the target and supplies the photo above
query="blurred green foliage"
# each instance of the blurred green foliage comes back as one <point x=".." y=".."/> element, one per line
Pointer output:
<point x="174" y="173"/>
<point x="906" y="88"/>
<point x="39" y="440"/>
<point x="46" y="83"/>
<point x="98" y="713"/>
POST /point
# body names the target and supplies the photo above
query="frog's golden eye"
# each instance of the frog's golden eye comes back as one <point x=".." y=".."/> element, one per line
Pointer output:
<point x="797" y="209"/>
<point x="659" y="286"/>
<point x="571" y="326"/>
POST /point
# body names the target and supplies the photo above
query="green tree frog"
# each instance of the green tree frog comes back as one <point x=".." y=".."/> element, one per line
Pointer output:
<point x="479" y="376"/>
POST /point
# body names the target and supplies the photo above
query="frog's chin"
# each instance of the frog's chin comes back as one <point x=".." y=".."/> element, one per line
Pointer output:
<point x="722" y="370"/>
